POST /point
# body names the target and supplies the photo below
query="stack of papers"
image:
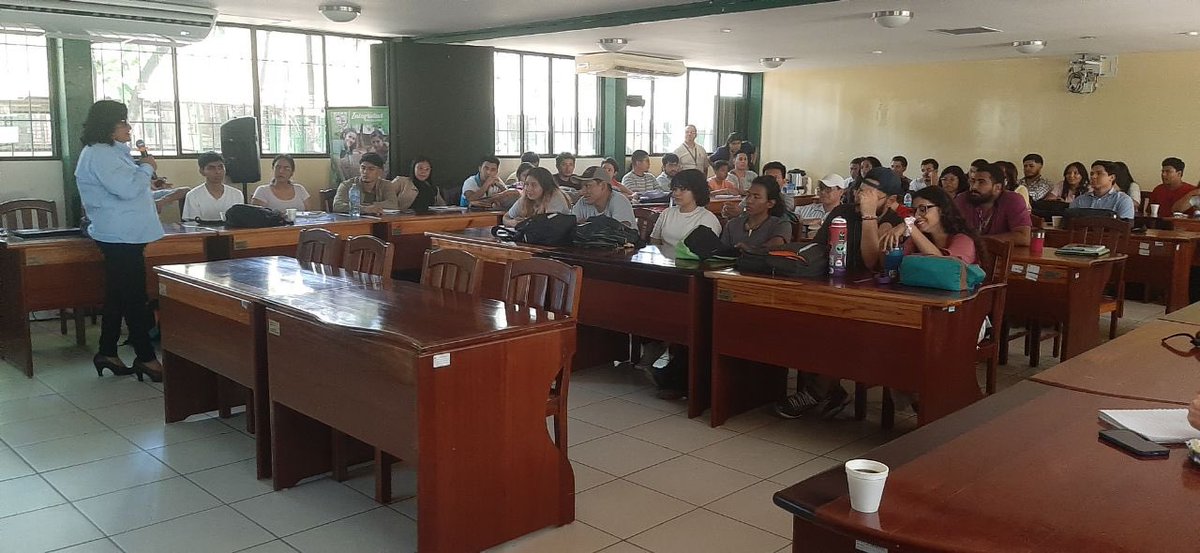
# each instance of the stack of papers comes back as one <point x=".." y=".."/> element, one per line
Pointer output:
<point x="1087" y="250"/>
<point x="1162" y="426"/>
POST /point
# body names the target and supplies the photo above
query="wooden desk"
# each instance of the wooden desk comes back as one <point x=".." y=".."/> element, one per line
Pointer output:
<point x="214" y="335"/>
<point x="1135" y="366"/>
<point x="1050" y="289"/>
<point x="1189" y="314"/>
<point x="1182" y="223"/>
<point x="68" y="272"/>
<point x="258" y="242"/>
<point x="648" y="294"/>
<point x="454" y="384"/>
<point x="909" y="339"/>
<point x="407" y="232"/>
<point x="494" y="252"/>
<point x="1159" y="258"/>
<point x="1021" y="470"/>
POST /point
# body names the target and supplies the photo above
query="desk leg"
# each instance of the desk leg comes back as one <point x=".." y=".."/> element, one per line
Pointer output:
<point x="808" y="537"/>
<point x="300" y="447"/>
<point x="188" y="388"/>
<point x="1081" y="330"/>
<point x="1177" y="292"/>
<point x="15" y="343"/>
<point x="700" y="348"/>
<point x="739" y="385"/>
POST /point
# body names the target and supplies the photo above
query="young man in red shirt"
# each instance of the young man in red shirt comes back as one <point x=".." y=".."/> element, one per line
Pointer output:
<point x="1173" y="194"/>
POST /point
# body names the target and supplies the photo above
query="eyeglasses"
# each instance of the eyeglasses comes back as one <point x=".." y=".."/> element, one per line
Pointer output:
<point x="922" y="209"/>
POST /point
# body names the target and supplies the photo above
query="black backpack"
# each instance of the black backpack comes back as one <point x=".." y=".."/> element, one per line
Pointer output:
<point x="602" y="231"/>
<point x="253" y="216"/>
<point x="797" y="259"/>
<point x="546" y="229"/>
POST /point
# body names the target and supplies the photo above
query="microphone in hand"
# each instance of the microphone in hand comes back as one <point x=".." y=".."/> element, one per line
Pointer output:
<point x="141" y="147"/>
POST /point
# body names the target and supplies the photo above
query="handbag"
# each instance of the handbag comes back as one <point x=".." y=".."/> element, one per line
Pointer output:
<point x="253" y="216"/>
<point x="941" y="272"/>
<point x="703" y="243"/>
<point x="602" y="231"/>
<point x="547" y="229"/>
<point x="797" y="259"/>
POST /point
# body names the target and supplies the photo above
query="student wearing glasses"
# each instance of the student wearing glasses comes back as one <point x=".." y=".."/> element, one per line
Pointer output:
<point x="938" y="229"/>
<point x="689" y="189"/>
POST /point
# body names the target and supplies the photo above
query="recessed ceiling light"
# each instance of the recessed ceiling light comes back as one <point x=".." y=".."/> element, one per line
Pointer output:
<point x="726" y="30"/>
<point x="1029" y="46"/>
<point x="892" y="18"/>
<point x="1191" y="33"/>
<point x="876" y="51"/>
<point x="613" y="44"/>
<point x="772" y="63"/>
<point x="340" y="13"/>
<point x="1088" y="37"/>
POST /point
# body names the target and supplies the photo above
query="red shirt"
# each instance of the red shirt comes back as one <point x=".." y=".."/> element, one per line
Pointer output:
<point x="1165" y="197"/>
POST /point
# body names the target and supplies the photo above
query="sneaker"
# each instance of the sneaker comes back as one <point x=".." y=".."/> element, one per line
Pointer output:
<point x="795" y="405"/>
<point x="835" y="403"/>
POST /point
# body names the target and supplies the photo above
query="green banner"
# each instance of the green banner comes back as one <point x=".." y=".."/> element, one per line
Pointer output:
<point x="354" y="132"/>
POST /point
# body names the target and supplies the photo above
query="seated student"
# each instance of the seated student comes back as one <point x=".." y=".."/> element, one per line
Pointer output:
<point x="775" y="170"/>
<point x="565" y="177"/>
<point x="689" y="189"/>
<point x="764" y="223"/>
<point x="733" y="145"/>
<point x="418" y="192"/>
<point x="670" y="166"/>
<point x="954" y="181"/>
<point x="1074" y="183"/>
<point x="1173" y="195"/>
<point x="522" y="172"/>
<point x="209" y="201"/>
<point x="1012" y="182"/>
<point x="938" y="229"/>
<point x="282" y="194"/>
<point x="528" y="157"/>
<point x="639" y="179"/>
<point x="1127" y="185"/>
<point x="829" y="196"/>
<point x="720" y="183"/>
<point x="377" y="192"/>
<point x="598" y="199"/>
<point x="1104" y="193"/>
<point x="992" y="210"/>
<point x="540" y="195"/>
<point x="484" y="189"/>
<point x="741" y="175"/>
<point x="609" y="167"/>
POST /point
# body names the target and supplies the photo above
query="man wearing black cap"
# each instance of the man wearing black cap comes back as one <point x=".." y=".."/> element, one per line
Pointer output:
<point x="598" y="199"/>
<point x="867" y="219"/>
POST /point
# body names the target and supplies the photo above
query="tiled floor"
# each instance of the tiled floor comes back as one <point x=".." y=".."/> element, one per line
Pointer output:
<point x="87" y="465"/>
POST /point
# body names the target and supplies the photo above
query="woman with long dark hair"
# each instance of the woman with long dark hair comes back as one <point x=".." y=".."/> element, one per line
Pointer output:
<point x="540" y="195"/>
<point x="954" y="181"/>
<point x="938" y="229"/>
<point x="1075" y="182"/>
<point x="764" y="223"/>
<point x="1012" y="180"/>
<point x="115" y="193"/>
<point x="1127" y="185"/>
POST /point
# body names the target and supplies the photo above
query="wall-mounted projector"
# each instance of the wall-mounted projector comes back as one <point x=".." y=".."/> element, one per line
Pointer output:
<point x="1085" y="70"/>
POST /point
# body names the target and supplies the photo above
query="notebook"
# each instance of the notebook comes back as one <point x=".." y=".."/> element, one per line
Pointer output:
<point x="1163" y="426"/>
<point x="1085" y="250"/>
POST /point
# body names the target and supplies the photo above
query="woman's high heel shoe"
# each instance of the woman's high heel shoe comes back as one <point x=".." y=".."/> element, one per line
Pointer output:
<point x="141" y="369"/>
<point x="101" y="362"/>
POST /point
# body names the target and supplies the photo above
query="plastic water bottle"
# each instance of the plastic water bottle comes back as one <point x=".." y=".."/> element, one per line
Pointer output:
<point x="837" y="247"/>
<point x="891" y="262"/>
<point x="355" y="201"/>
<point x="908" y="199"/>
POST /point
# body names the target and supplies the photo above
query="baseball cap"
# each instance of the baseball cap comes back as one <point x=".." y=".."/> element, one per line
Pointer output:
<point x="889" y="182"/>
<point x="833" y="180"/>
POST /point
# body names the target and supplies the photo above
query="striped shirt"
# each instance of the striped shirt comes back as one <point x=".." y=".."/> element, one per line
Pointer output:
<point x="639" y="183"/>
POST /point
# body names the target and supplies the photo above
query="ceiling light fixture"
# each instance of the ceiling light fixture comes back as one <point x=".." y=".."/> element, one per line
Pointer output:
<point x="772" y="63"/>
<point x="892" y="18"/>
<point x="340" y="13"/>
<point x="876" y="51"/>
<point x="726" y="30"/>
<point x="1191" y="33"/>
<point x="1029" y="46"/>
<point x="612" y="44"/>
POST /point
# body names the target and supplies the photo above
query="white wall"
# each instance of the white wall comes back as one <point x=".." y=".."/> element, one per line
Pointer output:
<point x="40" y="179"/>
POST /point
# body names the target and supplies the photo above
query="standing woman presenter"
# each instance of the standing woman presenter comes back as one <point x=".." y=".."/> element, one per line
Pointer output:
<point x="115" y="192"/>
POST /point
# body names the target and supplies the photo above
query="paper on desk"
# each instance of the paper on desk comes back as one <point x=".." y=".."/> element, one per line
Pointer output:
<point x="1163" y="426"/>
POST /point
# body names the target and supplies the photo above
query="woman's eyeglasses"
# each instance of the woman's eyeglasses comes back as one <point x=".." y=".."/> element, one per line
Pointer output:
<point x="922" y="209"/>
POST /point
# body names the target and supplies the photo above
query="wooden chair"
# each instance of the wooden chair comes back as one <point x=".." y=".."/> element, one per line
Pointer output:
<point x="453" y="270"/>
<point x="646" y="218"/>
<point x="1113" y="234"/>
<point x="995" y="259"/>
<point x="369" y="255"/>
<point x="1037" y="221"/>
<point x="318" y="245"/>
<point x="553" y="286"/>
<point x="31" y="213"/>
<point x="327" y="196"/>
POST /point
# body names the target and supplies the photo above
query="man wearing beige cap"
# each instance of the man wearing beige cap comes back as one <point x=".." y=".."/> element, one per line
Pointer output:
<point x="829" y="195"/>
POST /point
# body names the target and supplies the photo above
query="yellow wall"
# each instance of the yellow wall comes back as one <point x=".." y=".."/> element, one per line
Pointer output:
<point x="955" y="112"/>
<point x="313" y="173"/>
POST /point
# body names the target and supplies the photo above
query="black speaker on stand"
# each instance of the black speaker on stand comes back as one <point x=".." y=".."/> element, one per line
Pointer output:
<point x="240" y="148"/>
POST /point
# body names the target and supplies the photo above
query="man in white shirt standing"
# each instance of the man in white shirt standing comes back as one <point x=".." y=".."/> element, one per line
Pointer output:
<point x="692" y="155"/>
<point x="209" y="201"/>
<point x="929" y="177"/>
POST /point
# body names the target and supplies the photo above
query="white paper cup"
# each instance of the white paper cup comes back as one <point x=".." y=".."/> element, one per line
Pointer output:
<point x="290" y="214"/>
<point x="1056" y="221"/>
<point x="866" y="479"/>
<point x="1154" y="210"/>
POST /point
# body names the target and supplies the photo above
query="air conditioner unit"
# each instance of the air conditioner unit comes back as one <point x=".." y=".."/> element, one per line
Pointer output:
<point x="111" y="20"/>
<point x="620" y="65"/>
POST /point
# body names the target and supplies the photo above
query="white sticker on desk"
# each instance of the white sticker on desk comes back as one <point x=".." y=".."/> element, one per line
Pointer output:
<point x="441" y="360"/>
<point x="1018" y="269"/>
<point x="865" y="547"/>
<point x="162" y="289"/>
<point x="1032" y="271"/>
<point x="1143" y="248"/>
<point x="272" y="327"/>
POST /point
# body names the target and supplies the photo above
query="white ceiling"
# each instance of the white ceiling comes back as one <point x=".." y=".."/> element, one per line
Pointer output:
<point x="831" y="34"/>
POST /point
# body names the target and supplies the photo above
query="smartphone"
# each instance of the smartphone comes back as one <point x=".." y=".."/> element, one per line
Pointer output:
<point x="1134" y="444"/>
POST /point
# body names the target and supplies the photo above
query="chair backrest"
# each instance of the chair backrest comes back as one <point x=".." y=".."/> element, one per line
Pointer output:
<point x="543" y="283"/>
<point x="367" y="254"/>
<point x="453" y="270"/>
<point x="1112" y="233"/>
<point x="318" y="245"/>
<point x="28" y="213"/>
<point x="994" y="259"/>
<point x="1038" y="221"/>
<point x="327" y="196"/>
<point x="645" y="221"/>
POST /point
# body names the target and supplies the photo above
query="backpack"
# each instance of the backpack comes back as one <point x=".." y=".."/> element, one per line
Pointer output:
<point x="941" y="272"/>
<point x="253" y="216"/>
<point x="546" y="229"/>
<point x="702" y="243"/>
<point x="602" y="231"/>
<point x="797" y="259"/>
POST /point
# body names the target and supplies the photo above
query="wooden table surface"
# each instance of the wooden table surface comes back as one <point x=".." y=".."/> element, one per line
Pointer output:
<point x="1189" y="314"/>
<point x="257" y="242"/>
<point x="1135" y="366"/>
<point x="1021" y="470"/>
